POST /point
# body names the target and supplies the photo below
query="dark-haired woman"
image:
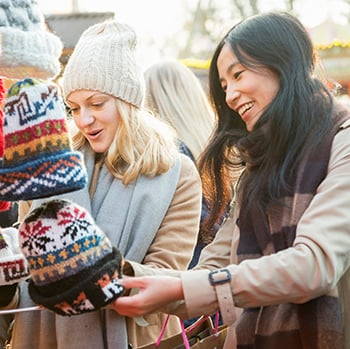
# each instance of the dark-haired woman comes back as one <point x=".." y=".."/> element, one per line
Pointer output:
<point x="282" y="254"/>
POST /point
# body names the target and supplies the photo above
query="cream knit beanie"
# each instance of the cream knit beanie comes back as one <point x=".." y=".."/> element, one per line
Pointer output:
<point x="103" y="60"/>
<point x="27" y="48"/>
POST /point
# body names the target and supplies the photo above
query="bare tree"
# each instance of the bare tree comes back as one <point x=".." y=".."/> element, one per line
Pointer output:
<point x="347" y="14"/>
<point x="206" y="21"/>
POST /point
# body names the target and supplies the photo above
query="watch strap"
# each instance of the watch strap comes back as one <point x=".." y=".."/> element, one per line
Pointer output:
<point x="221" y="280"/>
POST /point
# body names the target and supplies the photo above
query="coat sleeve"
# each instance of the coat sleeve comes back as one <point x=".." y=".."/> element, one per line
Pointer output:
<point x="200" y="296"/>
<point x="23" y="209"/>
<point x="312" y="267"/>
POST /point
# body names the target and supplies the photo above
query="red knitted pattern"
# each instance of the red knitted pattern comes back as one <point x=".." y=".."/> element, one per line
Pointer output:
<point x="4" y="205"/>
<point x="2" y="96"/>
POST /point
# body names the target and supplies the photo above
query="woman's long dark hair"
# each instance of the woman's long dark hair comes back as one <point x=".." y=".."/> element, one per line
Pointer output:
<point x="291" y="125"/>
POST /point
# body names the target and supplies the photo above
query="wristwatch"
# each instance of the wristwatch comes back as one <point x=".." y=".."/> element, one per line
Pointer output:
<point x="221" y="280"/>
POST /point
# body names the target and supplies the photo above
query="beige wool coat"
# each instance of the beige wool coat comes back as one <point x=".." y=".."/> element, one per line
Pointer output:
<point x="172" y="248"/>
<point x="321" y="247"/>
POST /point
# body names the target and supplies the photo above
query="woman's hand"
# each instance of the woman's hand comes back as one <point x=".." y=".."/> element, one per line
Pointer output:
<point x="155" y="292"/>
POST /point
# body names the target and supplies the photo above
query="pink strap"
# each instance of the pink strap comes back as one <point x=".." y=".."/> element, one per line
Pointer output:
<point x="161" y="334"/>
<point x="184" y="337"/>
<point x="183" y="332"/>
<point x="188" y="329"/>
<point x="216" y="323"/>
<point x="196" y="324"/>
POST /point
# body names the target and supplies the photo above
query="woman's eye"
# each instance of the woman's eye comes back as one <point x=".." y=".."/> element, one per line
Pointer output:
<point x="237" y="74"/>
<point x="97" y="105"/>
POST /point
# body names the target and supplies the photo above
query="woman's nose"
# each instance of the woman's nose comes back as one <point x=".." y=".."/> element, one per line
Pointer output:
<point x="232" y="95"/>
<point x="85" y="118"/>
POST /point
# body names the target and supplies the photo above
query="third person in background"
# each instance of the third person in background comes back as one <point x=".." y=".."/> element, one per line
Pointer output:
<point x="176" y="95"/>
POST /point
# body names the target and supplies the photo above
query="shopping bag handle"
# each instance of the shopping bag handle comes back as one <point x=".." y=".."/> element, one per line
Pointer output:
<point x="185" y="331"/>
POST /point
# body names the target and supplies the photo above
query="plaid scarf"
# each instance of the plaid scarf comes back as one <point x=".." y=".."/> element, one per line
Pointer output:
<point x="316" y="324"/>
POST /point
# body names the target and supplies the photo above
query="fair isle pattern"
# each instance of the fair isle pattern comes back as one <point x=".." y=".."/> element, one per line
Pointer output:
<point x="30" y="102"/>
<point x="33" y="121"/>
<point x="38" y="158"/>
<point x="4" y="205"/>
<point x="43" y="178"/>
<point x="62" y="246"/>
<point x="13" y="271"/>
<point x="108" y="289"/>
<point x="73" y="266"/>
<point x="56" y="265"/>
<point x="2" y="95"/>
<point x="47" y="136"/>
<point x="13" y="267"/>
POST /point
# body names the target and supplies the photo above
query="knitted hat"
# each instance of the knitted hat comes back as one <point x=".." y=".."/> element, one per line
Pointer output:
<point x="2" y="97"/>
<point x="103" y="60"/>
<point x="27" y="48"/>
<point x="38" y="159"/>
<point x="4" y="205"/>
<point x="13" y="266"/>
<point x="73" y="266"/>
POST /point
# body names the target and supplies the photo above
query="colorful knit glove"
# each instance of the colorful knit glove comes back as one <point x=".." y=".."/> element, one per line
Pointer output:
<point x="13" y="265"/>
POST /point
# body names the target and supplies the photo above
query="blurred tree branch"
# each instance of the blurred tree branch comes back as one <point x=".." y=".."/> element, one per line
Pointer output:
<point x="208" y="19"/>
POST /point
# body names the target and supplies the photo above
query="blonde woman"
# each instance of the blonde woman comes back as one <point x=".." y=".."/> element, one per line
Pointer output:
<point x="142" y="192"/>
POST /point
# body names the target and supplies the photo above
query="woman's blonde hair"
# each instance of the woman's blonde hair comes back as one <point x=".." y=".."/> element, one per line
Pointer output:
<point x="143" y="145"/>
<point x="176" y="95"/>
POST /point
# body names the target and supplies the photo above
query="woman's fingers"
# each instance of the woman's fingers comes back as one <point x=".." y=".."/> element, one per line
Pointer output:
<point x="132" y="282"/>
<point x="154" y="292"/>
